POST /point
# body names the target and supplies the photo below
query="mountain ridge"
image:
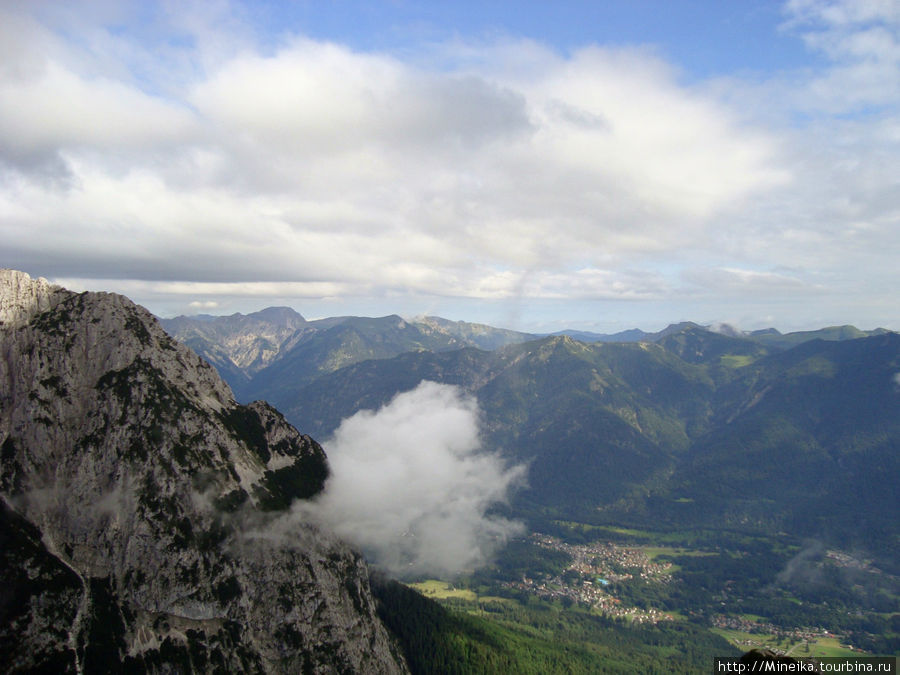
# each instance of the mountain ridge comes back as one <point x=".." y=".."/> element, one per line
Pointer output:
<point x="611" y="431"/>
<point x="152" y="508"/>
<point x="254" y="352"/>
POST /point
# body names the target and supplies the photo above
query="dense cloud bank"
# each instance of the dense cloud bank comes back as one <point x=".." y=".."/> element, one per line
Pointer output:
<point x="411" y="486"/>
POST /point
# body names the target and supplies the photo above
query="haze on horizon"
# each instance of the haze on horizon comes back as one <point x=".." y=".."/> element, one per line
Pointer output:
<point x="537" y="168"/>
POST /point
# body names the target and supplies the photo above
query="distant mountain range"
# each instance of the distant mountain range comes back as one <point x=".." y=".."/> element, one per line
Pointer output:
<point x="692" y="426"/>
<point x="768" y="336"/>
<point x="276" y="348"/>
<point x="255" y="352"/>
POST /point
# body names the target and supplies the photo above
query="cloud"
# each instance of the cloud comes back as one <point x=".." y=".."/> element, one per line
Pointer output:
<point x="804" y="565"/>
<point x="201" y="304"/>
<point x="411" y="486"/>
<point x="861" y="38"/>
<point x="58" y="109"/>
<point x="170" y="145"/>
<point x="314" y="162"/>
<point x="744" y="281"/>
<point x="316" y="98"/>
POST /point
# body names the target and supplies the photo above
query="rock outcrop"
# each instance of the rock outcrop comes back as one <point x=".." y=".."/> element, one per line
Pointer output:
<point x="144" y="518"/>
<point x="240" y="345"/>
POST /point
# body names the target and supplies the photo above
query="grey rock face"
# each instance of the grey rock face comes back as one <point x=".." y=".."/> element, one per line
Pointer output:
<point x="143" y="509"/>
<point x="240" y="345"/>
<point x="21" y="297"/>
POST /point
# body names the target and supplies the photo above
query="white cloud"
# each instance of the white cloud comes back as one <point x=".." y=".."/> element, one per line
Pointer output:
<point x="320" y="165"/>
<point x="412" y="488"/>
<point x="506" y="170"/>
<point x="203" y="304"/>
<point x="750" y="282"/>
<point x="862" y="39"/>
<point x="58" y="109"/>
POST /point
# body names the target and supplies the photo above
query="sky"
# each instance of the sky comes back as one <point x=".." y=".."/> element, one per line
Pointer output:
<point x="531" y="165"/>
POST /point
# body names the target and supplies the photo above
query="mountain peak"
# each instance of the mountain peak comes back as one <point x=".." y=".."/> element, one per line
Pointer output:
<point x="278" y="315"/>
<point x="675" y="328"/>
<point x="22" y="297"/>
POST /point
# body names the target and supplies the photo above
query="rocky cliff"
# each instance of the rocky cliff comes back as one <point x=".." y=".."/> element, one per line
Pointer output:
<point x="240" y="345"/>
<point x="142" y="520"/>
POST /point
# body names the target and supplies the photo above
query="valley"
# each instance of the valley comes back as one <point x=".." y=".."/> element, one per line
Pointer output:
<point x="657" y="586"/>
<point x="742" y="485"/>
<point x="458" y="338"/>
<point x="547" y="505"/>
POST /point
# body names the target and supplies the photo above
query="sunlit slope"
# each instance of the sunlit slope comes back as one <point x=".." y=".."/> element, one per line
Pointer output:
<point x="696" y="428"/>
<point x="594" y="421"/>
<point x="807" y="440"/>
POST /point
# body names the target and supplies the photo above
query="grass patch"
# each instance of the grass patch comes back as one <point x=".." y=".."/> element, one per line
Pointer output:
<point x="736" y="360"/>
<point x="442" y="590"/>
<point x="752" y="617"/>
<point x="819" y="647"/>
<point x="653" y="552"/>
<point x="624" y="530"/>
<point x="824" y="647"/>
<point x="586" y="528"/>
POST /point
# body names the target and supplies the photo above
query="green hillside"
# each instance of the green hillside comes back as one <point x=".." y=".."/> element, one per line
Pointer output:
<point x="324" y="351"/>
<point x="699" y="429"/>
<point x="807" y="441"/>
<point x="761" y="477"/>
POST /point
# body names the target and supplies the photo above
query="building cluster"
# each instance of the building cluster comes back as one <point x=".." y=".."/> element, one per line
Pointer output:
<point x="598" y="566"/>
<point x="607" y="561"/>
<point x="846" y="561"/>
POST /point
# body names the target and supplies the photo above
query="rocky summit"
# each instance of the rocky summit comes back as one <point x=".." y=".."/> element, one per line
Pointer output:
<point x="144" y="514"/>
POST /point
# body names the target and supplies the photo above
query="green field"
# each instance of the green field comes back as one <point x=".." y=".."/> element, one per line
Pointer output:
<point x="597" y="532"/>
<point x="819" y="647"/>
<point x="736" y="360"/>
<point x="492" y="614"/>
<point x="533" y="636"/>
<point x="653" y="552"/>
<point x="442" y="590"/>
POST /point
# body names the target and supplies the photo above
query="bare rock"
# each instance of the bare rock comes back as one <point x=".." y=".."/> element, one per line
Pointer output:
<point x="149" y="509"/>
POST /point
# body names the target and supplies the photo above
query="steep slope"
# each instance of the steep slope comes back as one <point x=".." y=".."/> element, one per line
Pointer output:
<point x="144" y="504"/>
<point x="689" y="426"/>
<point x="292" y="350"/>
<point x="806" y="440"/>
<point x="240" y="345"/>
<point x="722" y="355"/>
<point x="701" y="429"/>
<point x="472" y="334"/>
<point x="594" y="422"/>
<point x="353" y="340"/>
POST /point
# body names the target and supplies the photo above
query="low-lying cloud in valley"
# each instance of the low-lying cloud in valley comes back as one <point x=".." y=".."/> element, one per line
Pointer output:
<point x="412" y="487"/>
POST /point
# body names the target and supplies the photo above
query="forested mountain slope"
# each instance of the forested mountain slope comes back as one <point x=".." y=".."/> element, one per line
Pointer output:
<point x="673" y="431"/>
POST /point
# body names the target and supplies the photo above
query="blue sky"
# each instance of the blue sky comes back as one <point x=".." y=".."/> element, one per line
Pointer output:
<point x="595" y="165"/>
<point x="703" y="38"/>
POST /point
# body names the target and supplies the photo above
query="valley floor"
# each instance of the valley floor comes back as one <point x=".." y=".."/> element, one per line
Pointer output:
<point x="691" y="595"/>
